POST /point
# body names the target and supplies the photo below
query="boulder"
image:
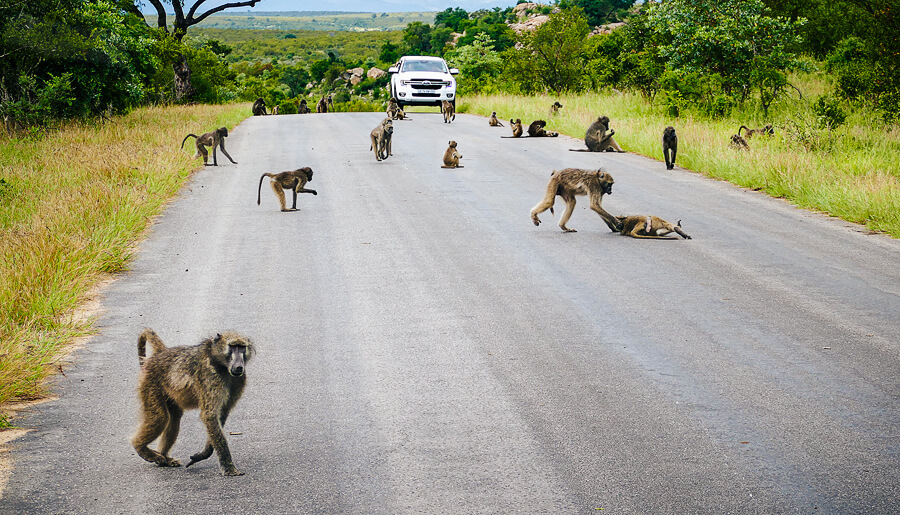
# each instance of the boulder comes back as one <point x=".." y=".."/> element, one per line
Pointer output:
<point x="375" y="73"/>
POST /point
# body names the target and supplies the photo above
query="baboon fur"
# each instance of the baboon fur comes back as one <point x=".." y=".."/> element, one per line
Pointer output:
<point x="516" y="126"/>
<point x="214" y="139"/>
<point x="448" y="110"/>
<point x="493" y="121"/>
<point x="670" y="146"/>
<point x="767" y="129"/>
<point x="209" y="376"/>
<point x="571" y="182"/>
<point x="381" y="137"/>
<point x="451" y="156"/>
<point x="259" y="107"/>
<point x="294" y="180"/>
<point x="536" y="130"/>
<point x="599" y="137"/>
<point x="304" y="107"/>
<point x="738" y="143"/>
<point x="641" y="226"/>
<point x="555" y="107"/>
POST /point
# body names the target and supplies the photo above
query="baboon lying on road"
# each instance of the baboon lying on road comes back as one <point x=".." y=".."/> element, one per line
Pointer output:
<point x="294" y="180"/>
<point x="209" y="376"/>
<point x="640" y="226"/>
<point x="214" y="139"/>
<point x="569" y="183"/>
<point x="536" y="130"/>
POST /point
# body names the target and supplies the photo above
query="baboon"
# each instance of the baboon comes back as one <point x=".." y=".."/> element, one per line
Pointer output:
<point x="275" y="110"/>
<point x="381" y="139"/>
<point x="670" y="146"/>
<point x="448" y="110"/>
<point x="209" y="376"/>
<point x="516" y="127"/>
<point x="303" y="108"/>
<point x="451" y="156"/>
<point x="330" y="103"/>
<point x="768" y="130"/>
<point x="738" y="143"/>
<point x="214" y="139"/>
<point x="599" y="137"/>
<point x="554" y="108"/>
<point x="536" y="130"/>
<point x="259" y="107"/>
<point x="640" y="226"/>
<point x="321" y="105"/>
<point x="294" y="180"/>
<point x="570" y="182"/>
<point x="394" y="111"/>
<point x="493" y="121"/>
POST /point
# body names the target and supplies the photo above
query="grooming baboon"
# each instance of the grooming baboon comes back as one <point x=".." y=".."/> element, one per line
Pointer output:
<point x="321" y="105"/>
<point x="599" y="137"/>
<point x="670" y="146"/>
<point x="448" y="110"/>
<point x="381" y="139"/>
<point x="303" y="108"/>
<point x="259" y="107"/>
<point x="554" y="108"/>
<point x="451" y="156"/>
<point x="768" y="130"/>
<point x="516" y="126"/>
<point x="640" y="226"/>
<point x="214" y="139"/>
<point x="493" y="121"/>
<point x="294" y="180"/>
<point x="738" y="143"/>
<point x="536" y="130"/>
<point x="209" y="376"/>
<point x="569" y="183"/>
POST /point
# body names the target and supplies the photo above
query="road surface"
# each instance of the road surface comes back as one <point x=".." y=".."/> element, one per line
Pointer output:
<point x="423" y="348"/>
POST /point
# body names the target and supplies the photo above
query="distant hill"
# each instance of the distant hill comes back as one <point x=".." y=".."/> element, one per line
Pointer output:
<point x="312" y="20"/>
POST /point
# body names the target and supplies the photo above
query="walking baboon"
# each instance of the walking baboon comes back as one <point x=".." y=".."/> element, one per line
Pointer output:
<point x="738" y="143"/>
<point x="303" y="108"/>
<point x="640" y="226"/>
<point x="294" y="180"/>
<point x="536" y="130"/>
<point x="516" y="127"/>
<point x="448" y="109"/>
<point x="670" y="146"/>
<point x="321" y="105"/>
<point x="259" y="107"/>
<point x="214" y="139"/>
<point x="554" y="108"/>
<point x="451" y="156"/>
<point x="493" y="121"/>
<point x="599" y="137"/>
<point x="768" y="130"/>
<point x="381" y="139"/>
<point x="571" y="182"/>
<point x="209" y="376"/>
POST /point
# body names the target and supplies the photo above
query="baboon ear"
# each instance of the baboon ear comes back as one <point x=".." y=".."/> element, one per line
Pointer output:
<point x="218" y="337"/>
<point x="679" y="223"/>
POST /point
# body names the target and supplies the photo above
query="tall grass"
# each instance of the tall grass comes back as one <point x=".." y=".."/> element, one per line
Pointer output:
<point x="72" y="205"/>
<point x="852" y="172"/>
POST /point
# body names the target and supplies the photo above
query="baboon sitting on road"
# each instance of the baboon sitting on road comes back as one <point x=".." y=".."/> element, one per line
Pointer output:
<point x="209" y="376"/>
<point x="322" y="105"/>
<point x="640" y="226"/>
<point x="451" y="156"/>
<point x="259" y="107"/>
<point x="599" y="137"/>
<point x="493" y="121"/>
<point x="214" y="139"/>
<point x="294" y="180"/>
<point x="516" y="127"/>
<point x="569" y="183"/>
<point x="304" y="107"/>
<point x="536" y="130"/>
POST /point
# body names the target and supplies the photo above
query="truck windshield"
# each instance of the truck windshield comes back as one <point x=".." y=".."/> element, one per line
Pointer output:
<point x="424" y="66"/>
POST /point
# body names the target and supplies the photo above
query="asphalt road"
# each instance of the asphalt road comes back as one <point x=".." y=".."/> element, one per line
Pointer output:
<point x="423" y="348"/>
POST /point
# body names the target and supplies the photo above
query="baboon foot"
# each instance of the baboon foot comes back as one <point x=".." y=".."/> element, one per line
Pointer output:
<point x="566" y="229"/>
<point x="536" y="220"/>
<point x="231" y="471"/>
<point x="167" y="461"/>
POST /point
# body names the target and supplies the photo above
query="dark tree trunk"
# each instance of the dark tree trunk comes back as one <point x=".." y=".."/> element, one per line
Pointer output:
<point x="183" y="87"/>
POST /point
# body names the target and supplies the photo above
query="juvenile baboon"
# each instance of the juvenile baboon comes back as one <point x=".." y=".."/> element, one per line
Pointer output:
<point x="214" y="139"/>
<point x="554" y="108"/>
<point x="321" y="105"/>
<point x="768" y="130"/>
<point x="209" y="376"/>
<point x="493" y="121"/>
<point x="451" y="156"/>
<point x="448" y="110"/>
<point x="599" y="137"/>
<point x="536" y="130"/>
<point x="516" y="126"/>
<point x="738" y="143"/>
<point x="670" y="146"/>
<point x="571" y="182"/>
<point x="381" y="139"/>
<point x="394" y="111"/>
<point x="640" y="226"/>
<point x="275" y="110"/>
<point x="259" y="107"/>
<point x="303" y="108"/>
<point x="294" y="180"/>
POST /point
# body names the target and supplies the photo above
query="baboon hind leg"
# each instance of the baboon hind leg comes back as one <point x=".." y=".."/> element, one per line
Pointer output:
<point x="570" y="207"/>
<point x="201" y="151"/>
<point x="545" y="204"/>
<point x="155" y="421"/>
<point x="171" y="433"/>
<point x="279" y="192"/>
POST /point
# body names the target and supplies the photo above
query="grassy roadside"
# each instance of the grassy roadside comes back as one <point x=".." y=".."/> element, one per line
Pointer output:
<point x="852" y="173"/>
<point x="72" y="206"/>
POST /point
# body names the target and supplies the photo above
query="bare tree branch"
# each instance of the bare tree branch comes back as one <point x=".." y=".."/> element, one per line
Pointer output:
<point x="247" y="3"/>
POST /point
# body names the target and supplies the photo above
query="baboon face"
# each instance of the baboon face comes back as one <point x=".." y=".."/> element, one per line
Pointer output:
<point x="452" y="144"/>
<point x="233" y="351"/>
<point x="223" y="131"/>
<point x="606" y="181"/>
<point x="604" y="120"/>
<point x="669" y="132"/>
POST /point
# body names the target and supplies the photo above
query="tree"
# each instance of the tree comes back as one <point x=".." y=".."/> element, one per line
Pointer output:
<point x="417" y="37"/>
<point x="478" y="64"/>
<point x="599" y="12"/>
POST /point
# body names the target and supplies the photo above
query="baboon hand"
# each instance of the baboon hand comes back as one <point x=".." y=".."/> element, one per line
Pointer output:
<point x="200" y="456"/>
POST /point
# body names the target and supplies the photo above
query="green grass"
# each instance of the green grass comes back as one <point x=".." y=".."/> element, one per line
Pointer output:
<point x="73" y="204"/>
<point x="852" y="172"/>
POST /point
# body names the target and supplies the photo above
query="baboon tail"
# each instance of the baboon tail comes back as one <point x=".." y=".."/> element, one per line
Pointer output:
<point x="148" y="335"/>
<point x="185" y="139"/>
<point x="743" y="127"/>
<point x="259" y="189"/>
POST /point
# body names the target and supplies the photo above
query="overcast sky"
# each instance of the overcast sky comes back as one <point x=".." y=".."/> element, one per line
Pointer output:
<point x="349" y="5"/>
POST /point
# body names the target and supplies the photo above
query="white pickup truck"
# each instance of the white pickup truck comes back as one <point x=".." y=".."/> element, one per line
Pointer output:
<point x="422" y="80"/>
